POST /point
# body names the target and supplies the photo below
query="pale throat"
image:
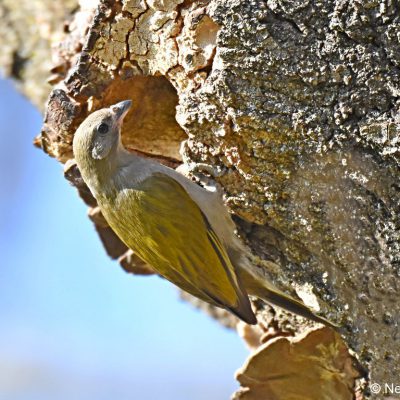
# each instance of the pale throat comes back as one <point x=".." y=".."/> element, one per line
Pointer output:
<point x="98" y="174"/>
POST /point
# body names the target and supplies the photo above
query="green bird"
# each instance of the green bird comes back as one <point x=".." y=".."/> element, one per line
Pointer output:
<point x="182" y="230"/>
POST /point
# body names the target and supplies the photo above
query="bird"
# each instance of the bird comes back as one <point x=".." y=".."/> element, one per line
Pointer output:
<point x="182" y="230"/>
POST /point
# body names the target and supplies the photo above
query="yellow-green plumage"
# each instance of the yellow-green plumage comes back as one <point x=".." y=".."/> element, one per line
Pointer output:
<point x="184" y="232"/>
<point x="184" y="249"/>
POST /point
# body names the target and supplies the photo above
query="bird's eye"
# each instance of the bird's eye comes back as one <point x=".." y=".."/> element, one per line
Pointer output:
<point x="102" y="128"/>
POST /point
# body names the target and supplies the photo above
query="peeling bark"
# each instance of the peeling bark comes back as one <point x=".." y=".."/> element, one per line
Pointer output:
<point x="295" y="105"/>
<point x="314" y="366"/>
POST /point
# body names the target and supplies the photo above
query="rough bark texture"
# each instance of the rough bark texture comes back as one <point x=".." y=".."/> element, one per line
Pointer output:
<point x="28" y="30"/>
<point x="293" y="107"/>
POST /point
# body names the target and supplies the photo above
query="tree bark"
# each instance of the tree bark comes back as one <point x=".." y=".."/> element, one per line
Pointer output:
<point x="293" y="108"/>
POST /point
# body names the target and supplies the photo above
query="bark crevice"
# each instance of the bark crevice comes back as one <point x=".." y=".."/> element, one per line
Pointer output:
<point x="296" y="105"/>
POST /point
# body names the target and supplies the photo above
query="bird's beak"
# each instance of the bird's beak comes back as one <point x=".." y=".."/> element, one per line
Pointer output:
<point x="121" y="109"/>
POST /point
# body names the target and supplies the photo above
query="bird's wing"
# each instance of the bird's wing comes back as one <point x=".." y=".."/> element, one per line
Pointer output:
<point x="175" y="237"/>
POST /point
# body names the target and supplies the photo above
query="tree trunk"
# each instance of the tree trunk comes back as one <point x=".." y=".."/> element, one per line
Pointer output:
<point x="292" y="106"/>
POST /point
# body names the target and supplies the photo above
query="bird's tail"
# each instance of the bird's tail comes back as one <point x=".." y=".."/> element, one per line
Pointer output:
<point x="262" y="289"/>
<point x="282" y="300"/>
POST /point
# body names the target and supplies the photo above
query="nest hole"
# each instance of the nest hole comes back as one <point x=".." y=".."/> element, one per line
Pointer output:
<point x="150" y="126"/>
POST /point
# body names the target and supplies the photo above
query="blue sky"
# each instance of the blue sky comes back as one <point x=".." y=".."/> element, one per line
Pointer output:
<point x="73" y="325"/>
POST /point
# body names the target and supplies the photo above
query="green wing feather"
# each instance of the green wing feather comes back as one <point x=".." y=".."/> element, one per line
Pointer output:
<point x="167" y="229"/>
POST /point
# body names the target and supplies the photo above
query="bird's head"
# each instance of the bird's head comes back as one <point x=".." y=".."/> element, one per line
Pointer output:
<point x="99" y="134"/>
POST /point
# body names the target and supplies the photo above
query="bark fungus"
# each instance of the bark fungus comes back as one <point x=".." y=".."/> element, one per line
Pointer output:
<point x="295" y="105"/>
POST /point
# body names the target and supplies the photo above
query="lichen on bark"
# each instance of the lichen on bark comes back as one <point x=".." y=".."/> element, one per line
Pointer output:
<point x="295" y="104"/>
